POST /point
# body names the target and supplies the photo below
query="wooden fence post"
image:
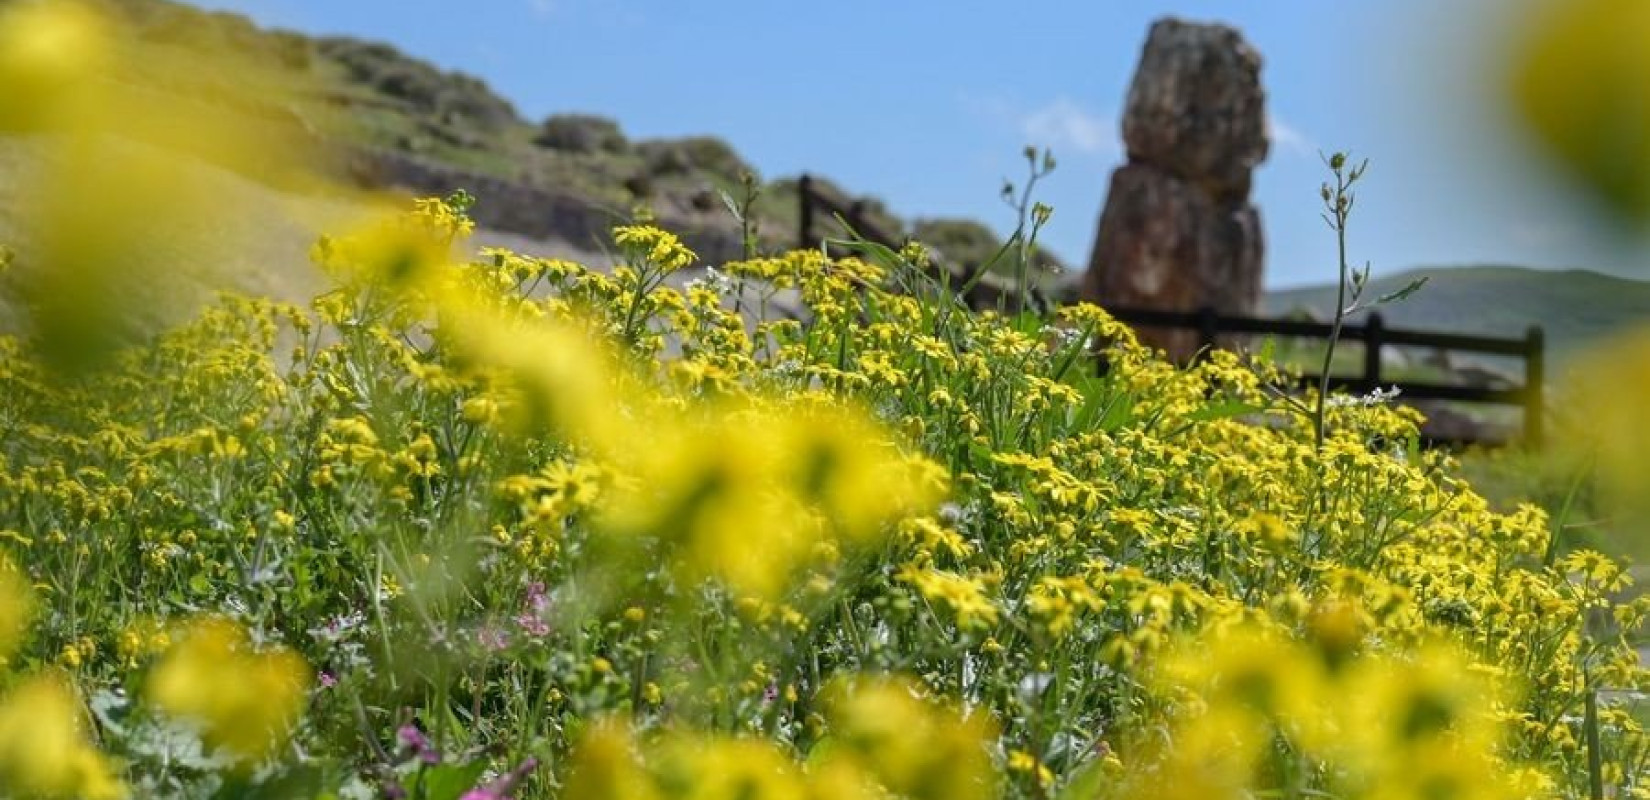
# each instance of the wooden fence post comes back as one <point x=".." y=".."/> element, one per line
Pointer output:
<point x="1208" y="327"/>
<point x="1535" y="379"/>
<point x="1372" y="352"/>
<point x="805" y="199"/>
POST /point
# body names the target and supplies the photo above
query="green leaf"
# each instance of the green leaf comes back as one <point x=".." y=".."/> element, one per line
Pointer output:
<point x="451" y="781"/>
<point x="733" y="205"/>
<point x="879" y="253"/>
<point x="287" y="783"/>
<point x="111" y="710"/>
<point x="1210" y="413"/>
<point x="1413" y="287"/>
<point x="1268" y="350"/>
<point x="1078" y="347"/>
<point x="822" y="750"/>
<point x="1115" y="414"/>
<point x="990" y="263"/>
<point x="1085" y="783"/>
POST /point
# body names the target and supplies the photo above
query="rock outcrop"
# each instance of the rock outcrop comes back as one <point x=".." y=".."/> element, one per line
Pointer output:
<point x="539" y="212"/>
<point x="1178" y="231"/>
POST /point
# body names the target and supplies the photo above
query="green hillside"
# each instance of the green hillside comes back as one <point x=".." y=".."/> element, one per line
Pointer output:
<point x="1574" y="307"/>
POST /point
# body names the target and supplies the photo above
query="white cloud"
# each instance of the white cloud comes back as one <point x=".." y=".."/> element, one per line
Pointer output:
<point x="1065" y="126"/>
<point x="1287" y="137"/>
<point x="542" y="8"/>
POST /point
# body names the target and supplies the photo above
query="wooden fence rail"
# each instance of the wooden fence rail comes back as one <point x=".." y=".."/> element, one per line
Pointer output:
<point x="1375" y="336"/>
<point x="993" y="291"/>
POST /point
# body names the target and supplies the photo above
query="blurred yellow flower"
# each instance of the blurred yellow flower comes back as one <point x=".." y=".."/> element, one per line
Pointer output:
<point x="729" y="769"/>
<point x="914" y="747"/>
<point x="116" y="215"/>
<point x="1580" y="78"/>
<point x="1399" y="710"/>
<point x="747" y="492"/>
<point x="43" y="746"/>
<point x="554" y="374"/>
<point x="245" y="700"/>
<point x="847" y="467"/>
<point x="604" y="766"/>
<point x="1608" y="389"/>
<point x="710" y="489"/>
<point x="50" y="54"/>
<point x="1417" y="725"/>
<point x="395" y="253"/>
<point x="1255" y="669"/>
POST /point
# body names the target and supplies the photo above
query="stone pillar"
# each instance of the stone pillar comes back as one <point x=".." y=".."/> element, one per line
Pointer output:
<point x="1178" y="231"/>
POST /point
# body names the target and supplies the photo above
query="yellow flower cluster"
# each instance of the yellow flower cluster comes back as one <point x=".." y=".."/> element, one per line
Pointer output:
<point x="517" y="496"/>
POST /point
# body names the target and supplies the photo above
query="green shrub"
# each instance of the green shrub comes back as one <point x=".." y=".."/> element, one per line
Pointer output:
<point x="695" y="154"/>
<point x="450" y="97"/>
<point x="580" y="133"/>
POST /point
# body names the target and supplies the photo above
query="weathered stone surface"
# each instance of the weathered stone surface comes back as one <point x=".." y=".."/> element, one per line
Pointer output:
<point x="1178" y="231"/>
<point x="1196" y="107"/>
<point x="1178" y="242"/>
<point x="1165" y="243"/>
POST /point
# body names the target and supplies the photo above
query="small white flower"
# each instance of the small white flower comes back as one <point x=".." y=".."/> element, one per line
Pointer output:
<point x="1065" y="337"/>
<point x="714" y="280"/>
<point x="1375" y="398"/>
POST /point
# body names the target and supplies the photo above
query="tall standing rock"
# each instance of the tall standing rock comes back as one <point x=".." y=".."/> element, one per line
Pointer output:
<point x="1178" y="231"/>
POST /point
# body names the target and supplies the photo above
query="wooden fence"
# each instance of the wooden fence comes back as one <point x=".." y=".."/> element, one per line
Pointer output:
<point x="993" y="291"/>
<point x="1375" y="336"/>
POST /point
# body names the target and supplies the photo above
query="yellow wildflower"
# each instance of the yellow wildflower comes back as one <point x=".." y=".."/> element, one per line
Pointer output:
<point x="660" y="247"/>
<point x="967" y="597"/>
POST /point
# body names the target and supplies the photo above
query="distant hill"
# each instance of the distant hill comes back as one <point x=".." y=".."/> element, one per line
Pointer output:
<point x="1575" y="307"/>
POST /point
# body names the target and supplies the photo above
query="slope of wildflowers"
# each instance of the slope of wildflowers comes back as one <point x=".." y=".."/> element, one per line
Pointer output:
<point x="518" y="528"/>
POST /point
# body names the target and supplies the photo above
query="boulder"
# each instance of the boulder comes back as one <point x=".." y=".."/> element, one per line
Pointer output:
<point x="1196" y="107"/>
<point x="1178" y="231"/>
<point x="1169" y="244"/>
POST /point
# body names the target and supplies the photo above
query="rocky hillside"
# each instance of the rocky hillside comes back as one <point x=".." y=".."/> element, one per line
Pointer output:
<point x="385" y="119"/>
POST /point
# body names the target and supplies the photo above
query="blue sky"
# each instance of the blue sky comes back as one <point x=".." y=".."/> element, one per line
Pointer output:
<point x="928" y="105"/>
